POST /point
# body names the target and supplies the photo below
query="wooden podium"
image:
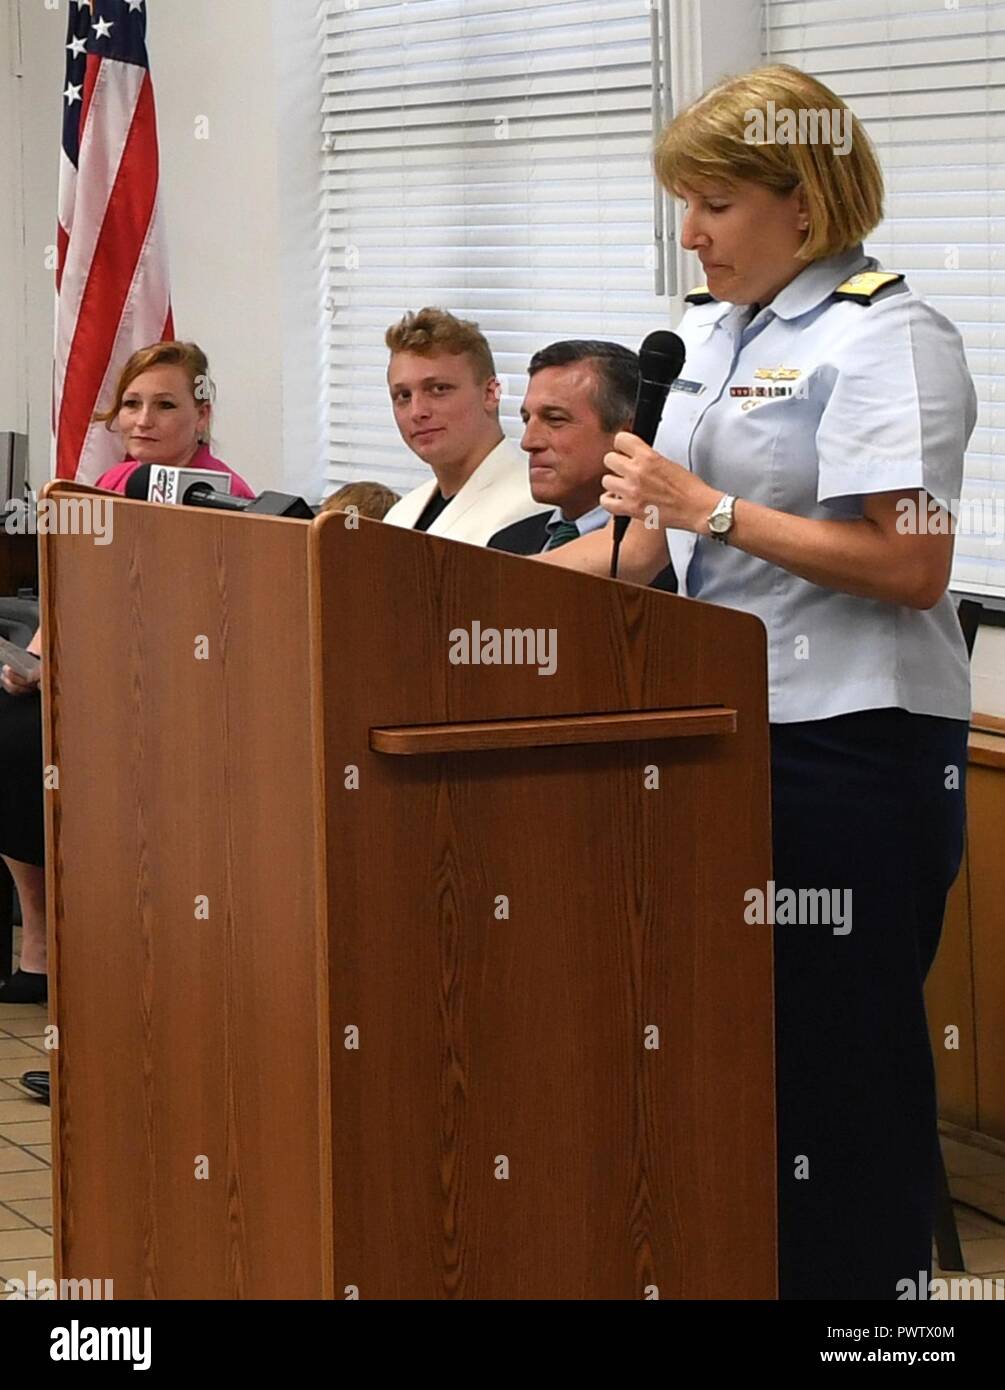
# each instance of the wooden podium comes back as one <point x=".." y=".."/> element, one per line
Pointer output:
<point x="379" y="973"/>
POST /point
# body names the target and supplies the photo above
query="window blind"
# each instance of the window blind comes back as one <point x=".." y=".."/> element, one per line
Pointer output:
<point x="493" y="158"/>
<point x="927" y="77"/>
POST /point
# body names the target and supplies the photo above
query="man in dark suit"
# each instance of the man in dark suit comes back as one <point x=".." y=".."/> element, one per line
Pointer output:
<point x="581" y="394"/>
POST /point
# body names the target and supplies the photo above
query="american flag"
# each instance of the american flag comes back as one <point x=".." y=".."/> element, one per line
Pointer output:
<point x="112" y="290"/>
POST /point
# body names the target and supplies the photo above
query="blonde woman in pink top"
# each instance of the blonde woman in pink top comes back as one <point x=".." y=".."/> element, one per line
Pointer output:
<point x="162" y="409"/>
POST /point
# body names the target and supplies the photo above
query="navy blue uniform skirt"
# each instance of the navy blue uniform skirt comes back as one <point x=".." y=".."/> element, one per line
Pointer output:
<point x="872" y="802"/>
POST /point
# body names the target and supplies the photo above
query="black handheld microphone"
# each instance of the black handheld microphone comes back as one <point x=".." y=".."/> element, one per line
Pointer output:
<point x="661" y="359"/>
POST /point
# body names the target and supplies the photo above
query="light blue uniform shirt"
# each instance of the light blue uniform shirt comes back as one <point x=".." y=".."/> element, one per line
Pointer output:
<point x="807" y="407"/>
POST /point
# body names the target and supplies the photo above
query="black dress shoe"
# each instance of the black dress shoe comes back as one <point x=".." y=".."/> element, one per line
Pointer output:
<point x="38" y="1083"/>
<point x="25" y="987"/>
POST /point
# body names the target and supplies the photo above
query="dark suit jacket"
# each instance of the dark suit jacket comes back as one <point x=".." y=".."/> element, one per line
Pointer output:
<point x="530" y="536"/>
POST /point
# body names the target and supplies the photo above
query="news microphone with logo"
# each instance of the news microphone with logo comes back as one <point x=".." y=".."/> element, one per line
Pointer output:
<point x="152" y="482"/>
<point x="661" y="359"/>
<point x="199" y="487"/>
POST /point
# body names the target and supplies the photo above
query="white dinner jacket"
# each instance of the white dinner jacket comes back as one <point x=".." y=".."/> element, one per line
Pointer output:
<point x="497" y="494"/>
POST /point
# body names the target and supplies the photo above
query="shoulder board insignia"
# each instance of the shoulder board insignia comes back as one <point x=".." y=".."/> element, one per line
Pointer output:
<point x="700" y="296"/>
<point x="862" y="289"/>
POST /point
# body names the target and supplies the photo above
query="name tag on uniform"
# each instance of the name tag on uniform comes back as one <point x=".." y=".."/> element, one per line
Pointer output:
<point x="764" y="393"/>
<point x="693" y="388"/>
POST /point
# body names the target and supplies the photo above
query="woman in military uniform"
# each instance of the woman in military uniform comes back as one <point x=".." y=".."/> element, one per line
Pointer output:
<point x="806" y="471"/>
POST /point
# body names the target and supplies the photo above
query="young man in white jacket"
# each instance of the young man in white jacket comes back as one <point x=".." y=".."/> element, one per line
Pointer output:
<point x="445" y="396"/>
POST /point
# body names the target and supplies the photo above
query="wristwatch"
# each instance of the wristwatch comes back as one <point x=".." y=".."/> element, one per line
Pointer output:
<point x="720" y="523"/>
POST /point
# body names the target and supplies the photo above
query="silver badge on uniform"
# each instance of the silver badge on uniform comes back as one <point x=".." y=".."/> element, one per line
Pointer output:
<point x="693" y="388"/>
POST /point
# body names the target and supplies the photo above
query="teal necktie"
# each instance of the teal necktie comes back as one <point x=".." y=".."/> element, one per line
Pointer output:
<point x="563" y="532"/>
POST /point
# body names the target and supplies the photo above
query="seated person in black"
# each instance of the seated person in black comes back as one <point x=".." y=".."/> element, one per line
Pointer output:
<point x="22" y="837"/>
<point x="581" y="394"/>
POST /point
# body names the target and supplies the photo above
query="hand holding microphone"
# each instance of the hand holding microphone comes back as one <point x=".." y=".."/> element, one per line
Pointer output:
<point x="639" y="479"/>
<point x="661" y="358"/>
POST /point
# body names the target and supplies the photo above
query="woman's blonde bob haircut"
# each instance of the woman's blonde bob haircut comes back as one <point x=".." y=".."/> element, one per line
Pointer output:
<point x="710" y="143"/>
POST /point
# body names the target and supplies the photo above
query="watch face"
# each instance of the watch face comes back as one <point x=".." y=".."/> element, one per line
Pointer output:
<point x="719" y="524"/>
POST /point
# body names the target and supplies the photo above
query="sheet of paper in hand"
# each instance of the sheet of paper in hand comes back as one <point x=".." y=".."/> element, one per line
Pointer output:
<point x="24" y="663"/>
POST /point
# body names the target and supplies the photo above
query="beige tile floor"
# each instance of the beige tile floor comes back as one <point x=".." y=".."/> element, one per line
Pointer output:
<point x="977" y="1183"/>
<point x="25" y="1148"/>
<point x="976" y="1177"/>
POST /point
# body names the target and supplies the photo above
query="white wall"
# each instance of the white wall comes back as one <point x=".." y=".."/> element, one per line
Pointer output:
<point x="12" y="380"/>
<point x="211" y="66"/>
<point x="26" y="234"/>
<point x="213" y="72"/>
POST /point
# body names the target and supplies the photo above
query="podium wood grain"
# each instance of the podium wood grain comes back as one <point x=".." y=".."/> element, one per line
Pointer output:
<point x="523" y="1038"/>
<point x="500" y="930"/>
<point x="185" y="1044"/>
